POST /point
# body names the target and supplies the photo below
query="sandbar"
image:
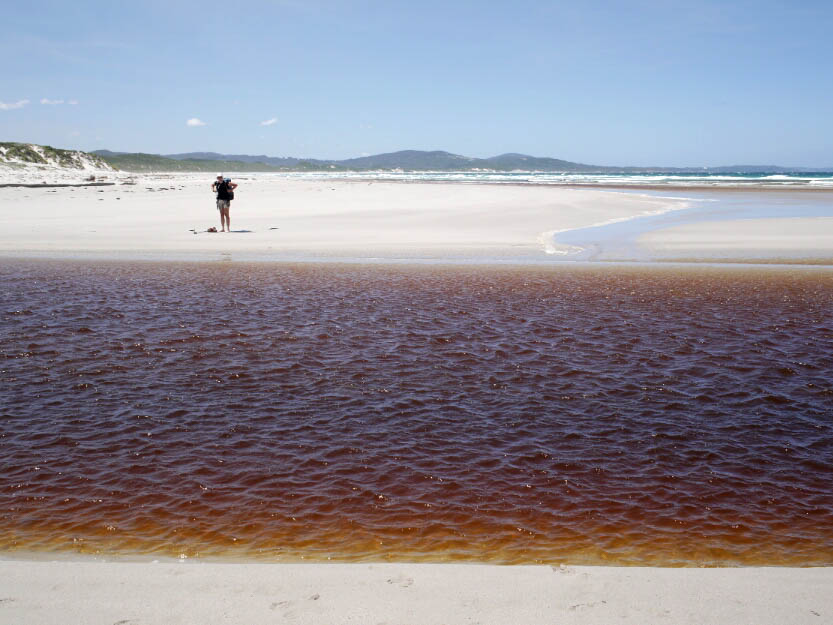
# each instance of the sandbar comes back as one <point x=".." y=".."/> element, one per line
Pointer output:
<point x="278" y="218"/>
<point x="287" y="218"/>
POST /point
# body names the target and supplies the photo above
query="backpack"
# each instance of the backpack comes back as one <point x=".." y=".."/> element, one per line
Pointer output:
<point x="227" y="182"/>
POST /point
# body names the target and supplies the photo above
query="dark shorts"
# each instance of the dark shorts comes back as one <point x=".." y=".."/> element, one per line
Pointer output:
<point x="221" y="204"/>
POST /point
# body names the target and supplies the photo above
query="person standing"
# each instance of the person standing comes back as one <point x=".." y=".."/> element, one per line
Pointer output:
<point x="225" y="192"/>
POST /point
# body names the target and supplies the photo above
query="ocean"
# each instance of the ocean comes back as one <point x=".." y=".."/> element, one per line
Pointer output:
<point x="728" y="180"/>
<point x="632" y="415"/>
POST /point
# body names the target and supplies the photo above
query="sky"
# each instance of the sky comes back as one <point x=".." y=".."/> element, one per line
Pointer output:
<point x="643" y="82"/>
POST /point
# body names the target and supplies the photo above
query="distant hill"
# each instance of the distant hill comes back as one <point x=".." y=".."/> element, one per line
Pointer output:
<point x="409" y="160"/>
<point x="406" y="160"/>
<point x="275" y="161"/>
<point x="140" y="162"/>
<point x="25" y="155"/>
<point x="523" y="162"/>
<point x="413" y="160"/>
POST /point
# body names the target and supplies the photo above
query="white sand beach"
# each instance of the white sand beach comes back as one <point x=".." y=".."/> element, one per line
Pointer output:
<point x="86" y="592"/>
<point x="277" y="217"/>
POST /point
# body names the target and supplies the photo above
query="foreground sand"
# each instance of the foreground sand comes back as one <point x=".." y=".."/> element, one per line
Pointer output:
<point x="133" y="593"/>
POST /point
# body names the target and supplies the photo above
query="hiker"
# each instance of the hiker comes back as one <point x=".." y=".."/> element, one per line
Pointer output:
<point x="225" y="193"/>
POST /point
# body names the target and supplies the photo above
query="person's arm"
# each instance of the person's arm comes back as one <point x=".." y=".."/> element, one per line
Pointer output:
<point x="233" y="185"/>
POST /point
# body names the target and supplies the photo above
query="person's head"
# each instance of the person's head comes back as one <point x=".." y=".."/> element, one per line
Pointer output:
<point x="219" y="177"/>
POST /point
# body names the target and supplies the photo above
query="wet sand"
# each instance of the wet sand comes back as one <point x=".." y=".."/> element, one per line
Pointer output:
<point x="808" y="239"/>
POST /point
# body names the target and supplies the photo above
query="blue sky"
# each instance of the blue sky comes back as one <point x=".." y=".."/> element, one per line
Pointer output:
<point x="642" y="82"/>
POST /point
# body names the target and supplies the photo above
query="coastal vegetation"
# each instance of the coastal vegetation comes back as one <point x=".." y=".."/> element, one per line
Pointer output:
<point x="27" y="153"/>
<point x="141" y="162"/>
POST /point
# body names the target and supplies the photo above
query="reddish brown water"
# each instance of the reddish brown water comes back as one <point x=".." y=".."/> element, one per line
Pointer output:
<point x="627" y="416"/>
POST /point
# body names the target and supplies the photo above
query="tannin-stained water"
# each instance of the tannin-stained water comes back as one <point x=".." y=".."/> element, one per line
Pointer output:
<point x="277" y="411"/>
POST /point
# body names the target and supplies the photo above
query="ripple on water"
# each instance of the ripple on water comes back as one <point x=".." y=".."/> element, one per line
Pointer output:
<point x="418" y="413"/>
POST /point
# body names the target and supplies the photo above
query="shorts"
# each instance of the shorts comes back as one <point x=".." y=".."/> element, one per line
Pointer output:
<point x="221" y="204"/>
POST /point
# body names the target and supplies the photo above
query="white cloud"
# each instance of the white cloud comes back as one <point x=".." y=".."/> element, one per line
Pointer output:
<point x="8" y="106"/>
<point x="194" y="122"/>
<point x="48" y="101"/>
<point x="269" y="122"/>
<point x="72" y="102"/>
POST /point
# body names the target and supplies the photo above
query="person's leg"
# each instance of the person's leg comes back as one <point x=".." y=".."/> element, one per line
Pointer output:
<point x="228" y="216"/>
<point x="224" y="217"/>
<point x="220" y="210"/>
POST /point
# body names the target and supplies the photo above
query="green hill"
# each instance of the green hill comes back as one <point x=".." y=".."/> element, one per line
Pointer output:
<point x="139" y="162"/>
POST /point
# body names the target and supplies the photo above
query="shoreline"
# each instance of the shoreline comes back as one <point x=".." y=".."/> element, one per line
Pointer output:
<point x="670" y="264"/>
<point x="149" y="593"/>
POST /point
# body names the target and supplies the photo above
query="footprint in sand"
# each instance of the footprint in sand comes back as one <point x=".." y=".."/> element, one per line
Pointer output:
<point x="585" y="606"/>
<point x="401" y="581"/>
